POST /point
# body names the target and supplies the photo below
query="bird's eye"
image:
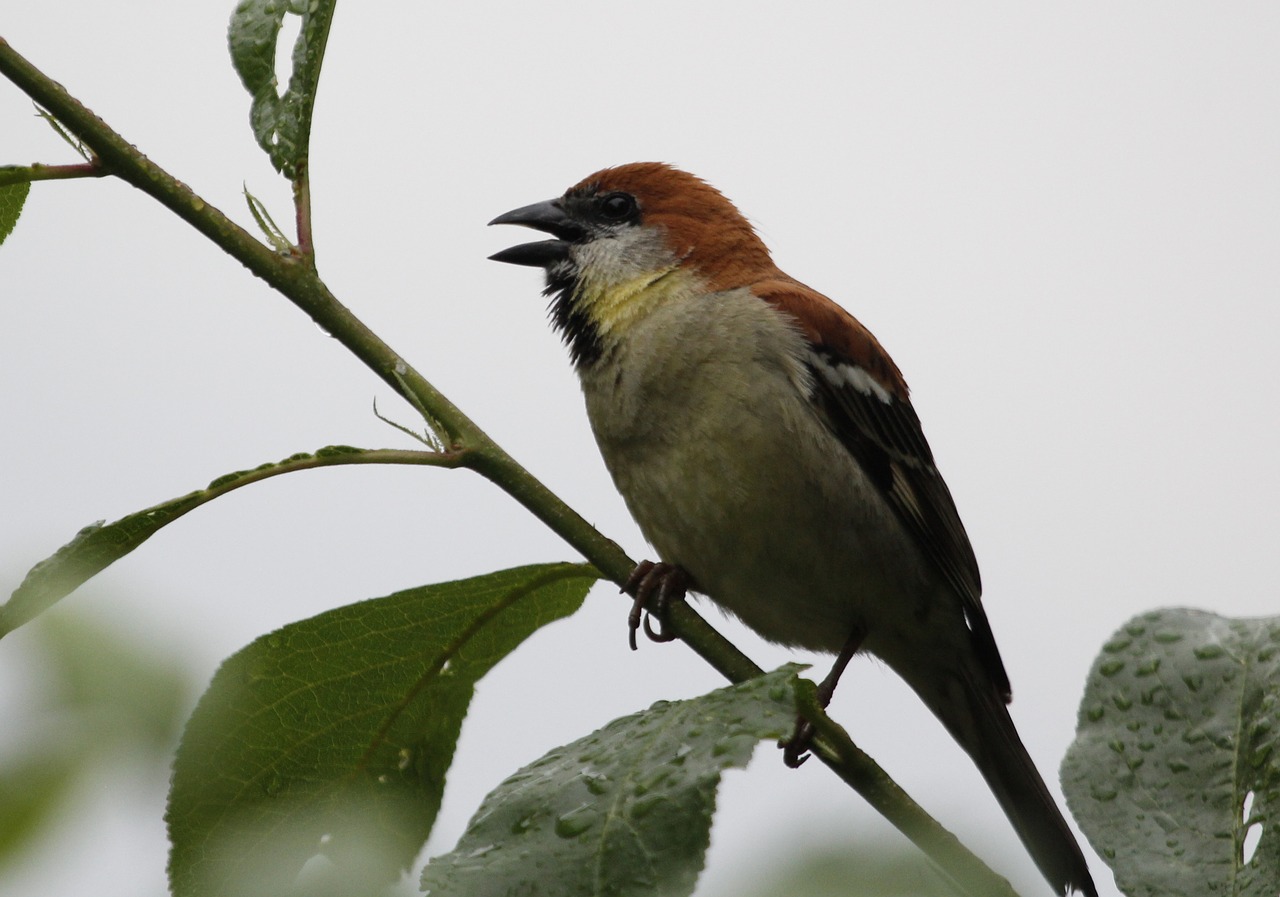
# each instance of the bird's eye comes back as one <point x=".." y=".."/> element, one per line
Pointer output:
<point x="617" y="206"/>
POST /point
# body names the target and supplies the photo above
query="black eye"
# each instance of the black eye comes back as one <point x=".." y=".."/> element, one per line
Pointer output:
<point x="617" y="207"/>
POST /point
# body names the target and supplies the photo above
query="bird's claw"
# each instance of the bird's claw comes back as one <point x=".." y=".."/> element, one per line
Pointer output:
<point x="795" y="750"/>
<point x="662" y="583"/>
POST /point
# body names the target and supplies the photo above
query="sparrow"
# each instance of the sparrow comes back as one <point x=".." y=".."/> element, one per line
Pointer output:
<point x="766" y="445"/>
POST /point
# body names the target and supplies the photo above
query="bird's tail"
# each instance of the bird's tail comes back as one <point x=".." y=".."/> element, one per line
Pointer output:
<point x="977" y="718"/>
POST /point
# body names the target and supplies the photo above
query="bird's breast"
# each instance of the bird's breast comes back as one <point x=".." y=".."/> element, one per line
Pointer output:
<point x="704" y="422"/>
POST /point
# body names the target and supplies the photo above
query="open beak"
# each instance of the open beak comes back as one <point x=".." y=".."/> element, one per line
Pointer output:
<point x="548" y="217"/>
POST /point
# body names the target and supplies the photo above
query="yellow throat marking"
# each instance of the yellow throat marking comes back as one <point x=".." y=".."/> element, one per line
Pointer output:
<point x="615" y="307"/>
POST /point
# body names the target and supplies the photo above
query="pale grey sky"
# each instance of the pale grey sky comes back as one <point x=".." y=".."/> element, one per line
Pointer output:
<point x="1061" y="219"/>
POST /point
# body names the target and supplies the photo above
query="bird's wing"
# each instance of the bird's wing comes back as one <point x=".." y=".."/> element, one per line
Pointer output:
<point x="861" y="395"/>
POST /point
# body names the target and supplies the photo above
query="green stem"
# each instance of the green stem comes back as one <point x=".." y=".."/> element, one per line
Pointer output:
<point x="296" y="278"/>
<point x="302" y="214"/>
<point x="25" y="174"/>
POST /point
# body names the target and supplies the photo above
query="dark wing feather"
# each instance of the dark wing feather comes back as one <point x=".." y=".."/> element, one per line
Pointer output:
<point x="860" y="393"/>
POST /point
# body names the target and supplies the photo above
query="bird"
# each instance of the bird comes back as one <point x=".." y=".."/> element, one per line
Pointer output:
<point x="765" y="443"/>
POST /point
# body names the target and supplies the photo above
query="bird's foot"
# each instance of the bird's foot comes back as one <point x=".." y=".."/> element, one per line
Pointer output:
<point x="795" y="750"/>
<point x="660" y="583"/>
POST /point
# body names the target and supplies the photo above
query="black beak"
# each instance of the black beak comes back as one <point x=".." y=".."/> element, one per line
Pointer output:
<point x="548" y="217"/>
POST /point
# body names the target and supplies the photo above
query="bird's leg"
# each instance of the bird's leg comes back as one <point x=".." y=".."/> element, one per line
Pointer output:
<point x="664" y="583"/>
<point x="795" y="750"/>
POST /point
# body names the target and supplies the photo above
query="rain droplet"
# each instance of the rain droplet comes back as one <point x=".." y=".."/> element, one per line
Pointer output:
<point x="576" y="821"/>
<point x="596" y="782"/>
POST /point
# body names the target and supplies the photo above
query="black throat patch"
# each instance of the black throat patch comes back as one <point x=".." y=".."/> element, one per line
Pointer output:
<point x="576" y="328"/>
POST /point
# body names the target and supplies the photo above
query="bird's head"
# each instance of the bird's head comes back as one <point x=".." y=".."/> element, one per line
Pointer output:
<point x="627" y="239"/>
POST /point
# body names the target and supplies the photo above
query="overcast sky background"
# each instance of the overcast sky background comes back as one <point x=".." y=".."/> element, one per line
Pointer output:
<point x="1063" y="220"/>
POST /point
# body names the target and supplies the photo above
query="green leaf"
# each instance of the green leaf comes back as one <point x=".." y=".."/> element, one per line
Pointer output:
<point x="625" y="811"/>
<point x="96" y="546"/>
<point x="1177" y="733"/>
<point x="281" y="122"/>
<point x="332" y="736"/>
<point x="275" y="236"/>
<point x="12" y="198"/>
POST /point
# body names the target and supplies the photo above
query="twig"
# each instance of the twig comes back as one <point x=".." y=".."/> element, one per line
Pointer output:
<point x="25" y="174"/>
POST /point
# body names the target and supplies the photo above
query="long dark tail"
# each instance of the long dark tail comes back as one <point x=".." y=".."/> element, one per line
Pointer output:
<point x="977" y="718"/>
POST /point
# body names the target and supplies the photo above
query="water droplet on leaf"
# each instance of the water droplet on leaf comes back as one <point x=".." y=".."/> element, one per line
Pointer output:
<point x="576" y="821"/>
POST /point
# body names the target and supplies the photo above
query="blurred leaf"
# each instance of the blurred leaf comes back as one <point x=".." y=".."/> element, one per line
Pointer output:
<point x="1177" y="731"/>
<point x="12" y="198"/>
<point x="847" y="870"/>
<point x="281" y="122"/>
<point x="624" y="811"/>
<point x="96" y="546"/>
<point x="333" y="735"/>
<point x="32" y="787"/>
<point x="95" y="697"/>
<point x="128" y="689"/>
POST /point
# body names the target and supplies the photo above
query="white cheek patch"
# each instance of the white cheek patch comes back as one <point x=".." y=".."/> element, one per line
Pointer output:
<point x="622" y="257"/>
<point x="842" y="374"/>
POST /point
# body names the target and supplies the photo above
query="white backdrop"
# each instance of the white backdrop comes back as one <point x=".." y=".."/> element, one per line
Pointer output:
<point x="1062" y="220"/>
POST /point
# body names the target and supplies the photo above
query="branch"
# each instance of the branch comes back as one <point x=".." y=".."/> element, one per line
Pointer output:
<point x="295" y="277"/>
<point x="298" y="281"/>
<point x="25" y="174"/>
<point x="834" y="747"/>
